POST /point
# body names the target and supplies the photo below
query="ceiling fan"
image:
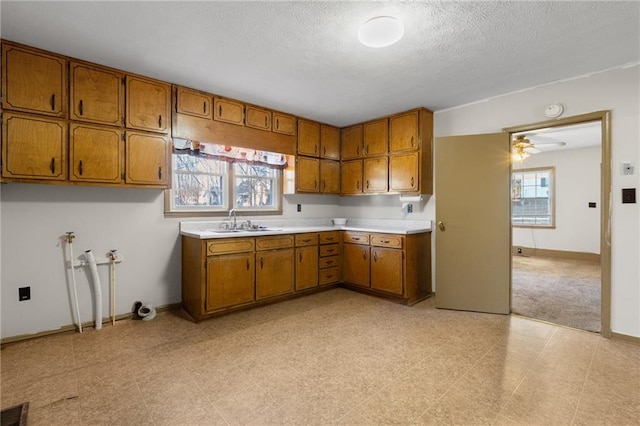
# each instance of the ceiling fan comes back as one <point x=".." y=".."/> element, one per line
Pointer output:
<point x="523" y="147"/>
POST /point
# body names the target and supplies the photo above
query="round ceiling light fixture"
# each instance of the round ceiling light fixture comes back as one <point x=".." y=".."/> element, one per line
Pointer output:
<point x="381" y="31"/>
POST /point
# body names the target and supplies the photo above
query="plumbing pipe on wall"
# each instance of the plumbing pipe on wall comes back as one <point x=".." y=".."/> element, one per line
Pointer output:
<point x="96" y="287"/>
<point x="70" y="238"/>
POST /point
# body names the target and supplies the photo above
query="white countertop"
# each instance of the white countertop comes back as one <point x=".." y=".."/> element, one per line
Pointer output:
<point x="211" y="229"/>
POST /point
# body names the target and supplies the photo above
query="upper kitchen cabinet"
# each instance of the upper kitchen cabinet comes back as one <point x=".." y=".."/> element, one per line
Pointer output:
<point x="329" y="142"/>
<point x="147" y="159"/>
<point x="228" y="111"/>
<point x="34" y="81"/>
<point x="148" y="104"/>
<point x="96" y="94"/>
<point x="307" y="174"/>
<point x="96" y="153"/>
<point x="258" y="118"/>
<point x="192" y="102"/>
<point x="376" y="136"/>
<point x="34" y="147"/>
<point x="351" y="142"/>
<point x="403" y="132"/>
<point x="284" y="123"/>
<point x="308" y="138"/>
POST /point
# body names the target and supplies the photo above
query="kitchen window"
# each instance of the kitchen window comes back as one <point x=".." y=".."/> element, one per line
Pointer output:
<point x="210" y="179"/>
<point x="533" y="197"/>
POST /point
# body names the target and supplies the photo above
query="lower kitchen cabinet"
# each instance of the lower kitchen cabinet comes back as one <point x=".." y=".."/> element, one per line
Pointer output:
<point x="306" y="261"/>
<point x="274" y="273"/>
<point x="387" y="268"/>
<point x="230" y="280"/>
<point x="355" y="255"/>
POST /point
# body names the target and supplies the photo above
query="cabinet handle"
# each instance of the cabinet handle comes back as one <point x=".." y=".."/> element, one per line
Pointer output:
<point x="357" y="150"/>
<point x="219" y="110"/>
<point x="306" y="240"/>
<point x="160" y="121"/>
<point x="385" y="241"/>
<point x="366" y="149"/>
<point x="261" y="262"/>
<point x="411" y="180"/>
<point x="80" y="167"/>
<point x="204" y="107"/>
<point x="315" y="149"/>
<point x="266" y="122"/>
<point x="356" y="238"/>
<point x="364" y="255"/>
<point x="315" y="183"/>
<point x="411" y="140"/>
<point x="324" y="150"/>
<point x="329" y="262"/>
<point x="329" y="238"/>
<point x="300" y="257"/>
<point x="375" y="256"/>
<point x="80" y="107"/>
<point x="277" y="124"/>
<point x="357" y="184"/>
<point x="323" y="185"/>
<point x="52" y="166"/>
<point x="367" y="184"/>
<point x="330" y="251"/>
<point x="160" y="173"/>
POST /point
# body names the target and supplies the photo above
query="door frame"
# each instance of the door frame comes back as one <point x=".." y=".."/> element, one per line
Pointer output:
<point x="605" y="200"/>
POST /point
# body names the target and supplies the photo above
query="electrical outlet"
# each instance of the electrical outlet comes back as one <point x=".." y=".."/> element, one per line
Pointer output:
<point x="299" y="207"/>
<point x="24" y="293"/>
<point x="409" y="208"/>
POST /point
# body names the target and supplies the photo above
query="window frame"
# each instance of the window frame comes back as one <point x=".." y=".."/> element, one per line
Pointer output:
<point x="551" y="198"/>
<point x="228" y="204"/>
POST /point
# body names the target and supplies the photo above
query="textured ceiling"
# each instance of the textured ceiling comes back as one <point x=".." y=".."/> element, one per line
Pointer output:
<point x="304" y="57"/>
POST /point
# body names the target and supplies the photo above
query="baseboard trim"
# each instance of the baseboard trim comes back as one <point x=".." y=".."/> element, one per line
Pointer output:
<point x="557" y="254"/>
<point x="625" y="337"/>
<point x="72" y="328"/>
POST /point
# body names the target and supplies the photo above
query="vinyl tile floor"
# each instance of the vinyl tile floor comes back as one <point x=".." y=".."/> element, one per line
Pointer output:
<point x="332" y="358"/>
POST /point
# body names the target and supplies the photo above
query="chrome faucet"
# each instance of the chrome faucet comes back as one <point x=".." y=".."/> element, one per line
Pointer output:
<point x="233" y="212"/>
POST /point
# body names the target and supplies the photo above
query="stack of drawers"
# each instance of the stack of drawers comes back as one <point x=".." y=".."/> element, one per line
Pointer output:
<point x="329" y="262"/>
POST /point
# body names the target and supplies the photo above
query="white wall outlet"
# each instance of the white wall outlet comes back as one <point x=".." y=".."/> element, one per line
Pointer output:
<point x="627" y="168"/>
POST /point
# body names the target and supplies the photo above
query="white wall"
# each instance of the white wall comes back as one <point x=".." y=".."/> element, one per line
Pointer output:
<point x="577" y="182"/>
<point x="616" y="90"/>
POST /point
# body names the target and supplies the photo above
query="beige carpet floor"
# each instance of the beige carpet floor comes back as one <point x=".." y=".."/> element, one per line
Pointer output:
<point x="561" y="291"/>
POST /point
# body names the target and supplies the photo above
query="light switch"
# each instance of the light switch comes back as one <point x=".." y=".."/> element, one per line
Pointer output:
<point x="628" y="195"/>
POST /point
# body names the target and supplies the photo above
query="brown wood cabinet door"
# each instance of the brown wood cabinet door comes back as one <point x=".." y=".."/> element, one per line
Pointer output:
<point x="147" y="159"/>
<point x="96" y="94"/>
<point x="329" y="177"/>
<point x="306" y="267"/>
<point x="284" y="123"/>
<point x="403" y="132"/>
<point x="274" y="273"/>
<point x="376" y="137"/>
<point x="329" y="142"/>
<point x="376" y="174"/>
<point x="387" y="270"/>
<point x="404" y="172"/>
<point x="230" y="280"/>
<point x="95" y="154"/>
<point x="307" y="174"/>
<point x="33" y="81"/>
<point x="308" y="138"/>
<point x="228" y="111"/>
<point x="355" y="265"/>
<point x="351" y="177"/>
<point x="351" y="142"/>
<point x="148" y="104"/>
<point x="194" y="103"/>
<point x="34" y="147"/>
<point x="258" y="118"/>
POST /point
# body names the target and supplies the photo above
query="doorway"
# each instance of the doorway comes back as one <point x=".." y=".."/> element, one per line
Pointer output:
<point x="560" y="268"/>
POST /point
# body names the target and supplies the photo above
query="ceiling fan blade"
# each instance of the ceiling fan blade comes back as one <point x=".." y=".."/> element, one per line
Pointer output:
<point x="532" y="150"/>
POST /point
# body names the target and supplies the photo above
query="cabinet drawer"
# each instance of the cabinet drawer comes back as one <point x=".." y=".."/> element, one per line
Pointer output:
<point x="306" y="240"/>
<point x="276" y="242"/>
<point x="387" y="240"/>
<point x="329" y="276"/>
<point x="329" y="237"/>
<point x="356" y="238"/>
<point x="328" y="262"/>
<point x="329" y="250"/>
<point x="230" y="245"/>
